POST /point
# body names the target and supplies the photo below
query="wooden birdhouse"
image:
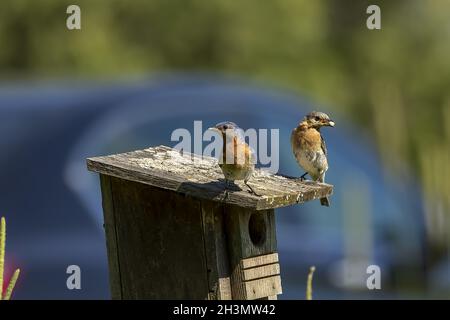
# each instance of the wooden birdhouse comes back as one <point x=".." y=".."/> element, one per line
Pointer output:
<point x="172" y="234"/>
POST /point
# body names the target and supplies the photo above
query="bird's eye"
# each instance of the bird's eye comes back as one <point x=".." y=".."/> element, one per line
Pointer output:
<point x="225" y="127"/>
<point x="316" y="118"/>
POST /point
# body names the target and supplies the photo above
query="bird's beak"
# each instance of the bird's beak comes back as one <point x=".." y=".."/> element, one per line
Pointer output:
<point x="331" y="123"/>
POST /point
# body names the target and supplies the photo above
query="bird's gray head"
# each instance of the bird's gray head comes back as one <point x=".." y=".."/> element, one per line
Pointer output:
<point x="227" y="125"/>
<point x="318" y="119"/>
<point x="228" y="129"/>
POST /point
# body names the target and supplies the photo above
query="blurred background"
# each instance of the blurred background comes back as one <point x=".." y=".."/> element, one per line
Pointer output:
<point x="138" y="70"/>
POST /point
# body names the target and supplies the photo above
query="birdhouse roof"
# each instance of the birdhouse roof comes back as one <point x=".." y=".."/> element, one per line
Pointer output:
<point x="201" y="177"/>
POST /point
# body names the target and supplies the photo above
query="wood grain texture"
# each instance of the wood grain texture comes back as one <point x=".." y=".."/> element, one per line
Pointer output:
<point x="260" y="281"/>
<point x="259" y="260"/>
<point x="111" y="236"/>
<point x="260" y="288"/>
<point x="165" y="245"/>
<point x="216" y="251"/>
<point x="261" y="272"/>
<point x="243" y="250"/>
<point x="225" y="289"/>
<point x="189" y="174"/>
<point x="258" y="278"/>
<point x="160" y="243"/>
<point x="172" y="235"/>
<point x="240" y="244"/>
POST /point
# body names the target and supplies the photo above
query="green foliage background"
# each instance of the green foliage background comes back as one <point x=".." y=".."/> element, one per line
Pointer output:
<point x="393" y="83"/>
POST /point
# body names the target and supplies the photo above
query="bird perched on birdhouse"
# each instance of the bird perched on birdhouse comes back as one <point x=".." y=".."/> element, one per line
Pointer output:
<point x="309" y="147"/>
<point x="237" y="159"/>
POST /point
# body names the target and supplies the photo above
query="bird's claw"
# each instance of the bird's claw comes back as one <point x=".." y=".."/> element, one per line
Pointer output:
<point x="225" y="196"/>
<point x="251" y="190"/>
<point x="303" y="177"/>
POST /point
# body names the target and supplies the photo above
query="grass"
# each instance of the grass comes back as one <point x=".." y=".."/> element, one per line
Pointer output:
<point x="9" y="289"/>
<point x="309" y="283"/>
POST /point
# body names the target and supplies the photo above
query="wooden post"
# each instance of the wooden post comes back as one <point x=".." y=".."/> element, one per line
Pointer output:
<point x="171" y="233"/>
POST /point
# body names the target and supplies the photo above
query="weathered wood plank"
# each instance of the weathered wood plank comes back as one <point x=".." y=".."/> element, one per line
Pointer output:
<point x="261" y="288"/>
<point x="216" y="251"/>
<point x="224" y="289"/>
<point x="259" y="260"/>
<point x="111" y="236"/>
<point x="260" y="281"/>
<point x="166" y="168"/>
<point x="261" y="272"/>
<point x="159" y="243"/>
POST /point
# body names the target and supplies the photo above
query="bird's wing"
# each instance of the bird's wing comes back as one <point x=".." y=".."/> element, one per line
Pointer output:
<point x="324" y="146"/>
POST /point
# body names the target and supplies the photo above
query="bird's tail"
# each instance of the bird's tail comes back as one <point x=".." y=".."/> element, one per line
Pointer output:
<point x="325" y="201"/>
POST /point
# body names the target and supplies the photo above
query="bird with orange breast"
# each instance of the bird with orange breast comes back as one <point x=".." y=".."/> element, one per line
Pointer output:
<point x="309" y="147"/>
<point x="237" y="159"/>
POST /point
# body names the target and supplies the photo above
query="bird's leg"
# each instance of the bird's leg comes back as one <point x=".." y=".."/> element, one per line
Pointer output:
<point x="302" y="178"/>
<point x="251" y="189"/>
<point x="226" y="190"/>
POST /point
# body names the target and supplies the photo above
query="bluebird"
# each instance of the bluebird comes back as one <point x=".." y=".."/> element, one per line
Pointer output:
<point x="237" y="159"/>
<point x="309" y="147"/>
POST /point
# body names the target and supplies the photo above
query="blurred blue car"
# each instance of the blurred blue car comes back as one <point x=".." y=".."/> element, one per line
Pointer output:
<point x="53" y="204"/>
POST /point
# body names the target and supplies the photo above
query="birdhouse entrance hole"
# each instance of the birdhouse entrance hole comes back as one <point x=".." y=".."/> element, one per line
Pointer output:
<point x="257" y="228"/>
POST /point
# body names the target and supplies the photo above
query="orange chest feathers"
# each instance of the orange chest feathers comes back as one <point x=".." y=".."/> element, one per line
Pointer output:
<point x="238" y="152"/>
<point x="308" y="139"/>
